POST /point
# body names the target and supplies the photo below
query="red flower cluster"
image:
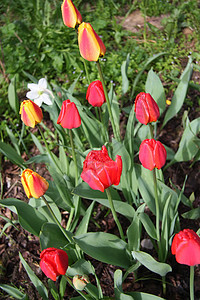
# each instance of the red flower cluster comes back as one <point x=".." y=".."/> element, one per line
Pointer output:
<point x="54" y="262"/>
<point x="100" y="171"/>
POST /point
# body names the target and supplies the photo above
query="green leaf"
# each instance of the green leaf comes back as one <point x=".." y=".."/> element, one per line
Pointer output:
<point x="83" y="226"/>
<point x="193" y="214"/>
<point x="148" y="225"/>
<point x="30" y="219"/>
<point x="187" y="146"/>
<point x="34" y="279"/>
<point x="150" y="263"/>
<point x="124" y="69"/>
<point x="53" y="289"/>
<point x="12" y="96"/>
<point x="83" y="190"/>
<point x="14" y="292"/>
<point x="12" y="155"/>
<point x="180" y="93"/>
<point x="13" y="139"/>
<point x="104" y="247"/>
<point x="115" y="108"/>
<point x="80" y="267"/>
<point x="149" y="61"/>
<point x="154" y="87"/>
<point x="144" y="296"/>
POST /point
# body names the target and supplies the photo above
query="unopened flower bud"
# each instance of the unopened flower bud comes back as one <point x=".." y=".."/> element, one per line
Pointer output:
<point x="80" y="282"/>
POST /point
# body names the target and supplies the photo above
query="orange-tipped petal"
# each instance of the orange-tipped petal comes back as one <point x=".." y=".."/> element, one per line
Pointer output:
<point x="90" y="45"/>
<point x="34" y="184"/>
<point x="31" y="113"/>
<point x="70" y="14"/>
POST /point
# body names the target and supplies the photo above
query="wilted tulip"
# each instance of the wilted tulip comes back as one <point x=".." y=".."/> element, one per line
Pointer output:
<point x="54" y="262"/>
<point x="69" y="116"/>
<point x="80" y="282"/>
<point x="34" y="185"/>
<point x="186" y="247"/>
<point x="70" y="14"/>
<point x="100" y="171"/>
<point x="95" y="93"/>
<point x="31" y="113"/>
<point x="152" y="154"/>
<point x="90" y="45"/>
<point x="146" y="109"/>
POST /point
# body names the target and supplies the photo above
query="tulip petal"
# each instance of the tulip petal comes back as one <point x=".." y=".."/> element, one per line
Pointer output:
<point x="118" y="161"/>
<point x="142" y="113"/>
<point x="92" y="180"/>
<point x="160" y="155"/>
<point x="37" y="184"/>
<point x="61" y="261"/>
<point x="49" y="269"/>
<point x="188" y="253"/>
<point x="146" y="156"/>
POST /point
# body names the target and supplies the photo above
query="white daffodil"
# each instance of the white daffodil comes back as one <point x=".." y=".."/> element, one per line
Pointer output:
<point x="39" y="92"/>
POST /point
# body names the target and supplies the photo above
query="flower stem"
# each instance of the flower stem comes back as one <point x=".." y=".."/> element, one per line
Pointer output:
<point x="114" y="214"/>
<point x="76" y="176"/>
<point x="191" y="282"/>
<point x="116" y="134"/>
<point x="49" y="151"/>
<point x="57" y="222"/>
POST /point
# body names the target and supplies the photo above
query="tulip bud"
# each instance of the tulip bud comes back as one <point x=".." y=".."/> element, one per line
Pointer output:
<point x="186" y="247"/>
<point x="69" y="116"/>
<point x="80" y="282"/>
<point x="31" y="113"/>
<point x="100" y="171"/>
<point x="152" y="154"/>
<point x="70" y="14"/>
<point x="95" y="93"/>
<point x="90" y="45"/>
<point x="146" y="109"/>
<point x="54" y="262"/>
<point x="34" y="185"/>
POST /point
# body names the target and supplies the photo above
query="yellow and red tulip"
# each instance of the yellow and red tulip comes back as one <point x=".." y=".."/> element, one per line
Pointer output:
<point x="70" y="14"/>
<point x="31" y="113"/>
<point x="34" y="185"/>
<point x="90" y="45"/>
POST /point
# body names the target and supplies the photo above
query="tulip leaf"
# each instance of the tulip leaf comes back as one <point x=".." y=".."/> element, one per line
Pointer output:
<point x="148" y="225"/>
<point x="180" y="93"/>
<point x="193" y="214"/>
<point x="144" y="296"/>
<point x="34" y="279"/>
<point x="115" y="109"/>
<point x="12" y="95"/>
<point x="154" y="87"/>
<point x="14" y="292"/>
<point x="83" y="226"/>
<point x="104" y="247"/>
<point x="81" y="267"/>
<point x="83" y="190"/>
<point x="188" y="147"/>
<point x="124" y="69"/>
<point x="150" y="263"/>
<point x="12" y="155"/>
<point x="30" y="219"/>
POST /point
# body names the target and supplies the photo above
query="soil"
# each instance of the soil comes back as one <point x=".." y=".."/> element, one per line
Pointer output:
<point x="16" y="239"/>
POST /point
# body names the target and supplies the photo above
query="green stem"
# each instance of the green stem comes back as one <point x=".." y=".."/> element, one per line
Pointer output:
<point x="57" y="222"/>
<point x="116" y="134"/>
<point x="191" y="282"/>
<point x="164" y="285"/>
<point x="114" y="214"/>
<point x="76" y="177"/>
<point x="49" y="151"/>
<point x="86" y="71"/>
<point x="82" y="294"/>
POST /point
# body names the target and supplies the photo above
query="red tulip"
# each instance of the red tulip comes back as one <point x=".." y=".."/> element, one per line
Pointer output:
<point x="54" y="262"/>
<point x="186" y="247"/>
<point x="146" y="108"/>
<point x="34" y="185"/>
<point x="95" y="93"/>
<point x="100" y="171"/>
<point x="70" y="14"/>
<point x="31" y="113"/>
<point x="69" y="116"/>
<point x="152" y="154"/>
<point x="90" y="45"/>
